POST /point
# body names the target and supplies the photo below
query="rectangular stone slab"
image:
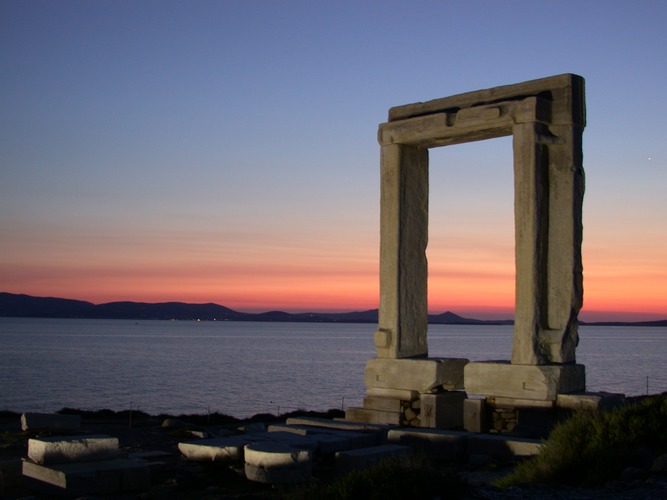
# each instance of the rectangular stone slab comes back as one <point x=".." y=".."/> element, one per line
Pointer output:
<point x="51" y="421"/>
<point x="434" y="443"/>
<point x="536" y="382"/>
<point x="85" y="478"/>
<point x="62" y="449"/>
<point x="421" y="374"/>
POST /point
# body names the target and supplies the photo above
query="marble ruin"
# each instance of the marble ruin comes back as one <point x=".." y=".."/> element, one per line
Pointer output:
<point x="546" y="119"/>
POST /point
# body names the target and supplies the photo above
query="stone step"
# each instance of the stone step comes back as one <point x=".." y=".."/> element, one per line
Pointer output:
<point x="434" y="443"/>
<point x="330" y="440"/>
<point x="91" y="478"/>
<point x="342" y="425"/>
<point x="502" y="447"/>
<point x="231" y="449"/>
<point x="63" y="449"/>
<point x="361" y="458"/>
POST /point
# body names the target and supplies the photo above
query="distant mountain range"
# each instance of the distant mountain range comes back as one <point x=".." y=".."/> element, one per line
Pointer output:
<point x="19" y="305"/>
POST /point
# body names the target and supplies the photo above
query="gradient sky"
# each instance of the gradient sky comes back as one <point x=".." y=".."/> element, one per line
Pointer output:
<point x="225" y="151"/>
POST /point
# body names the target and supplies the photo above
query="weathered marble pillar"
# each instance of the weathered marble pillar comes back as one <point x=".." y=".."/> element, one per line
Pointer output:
<point x="403" y="318"/>
<point x="548" y="196"/>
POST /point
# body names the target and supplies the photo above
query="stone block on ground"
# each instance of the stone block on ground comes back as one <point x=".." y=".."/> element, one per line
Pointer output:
<point x="277" y="463"/>
<point x="422" y="374"/>
<point x="589" y="401"/>
<point x="502" y="447"/>
<point x="443" y="410"/>
<point x="91" y="478"/>
<point x="63" y="449"/>
<point x="330" y="440"/>
<point x="229" y="449"/>
<point x="348" y="461"/>
<point x="530" y="382"/>
<point x="343" y="425"/>
<point x="434" y="443"/>
<point x="49" y="421"/>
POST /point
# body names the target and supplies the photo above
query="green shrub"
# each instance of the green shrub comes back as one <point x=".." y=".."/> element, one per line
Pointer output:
<point x="594" y="447"/>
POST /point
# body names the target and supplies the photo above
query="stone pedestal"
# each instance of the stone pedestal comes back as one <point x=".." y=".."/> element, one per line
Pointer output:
<point x="523" y="382"/>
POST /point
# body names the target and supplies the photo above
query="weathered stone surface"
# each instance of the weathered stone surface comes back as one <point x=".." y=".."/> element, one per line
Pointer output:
<point x="330" y="440"/>
<point x="275" y="462"/>
<point x="538" y="382"/>
<point x="434" y="443"/>
<point x="382" y="403"/>
<point x="49" y="421"/>
<point x="502" y="447"/>
<point x="86" y="478"/>
<point x="55" y="450"/>
<point x="474" y="415"/>
<point x="338" y="424"/>
<point x="369" y="416"/>
<point x="421" y="375"/>
<point x="401" y="394"/>
<point x="589" y="401"/>
<point x="443" y="410"/>
<point x="229" y="449"/>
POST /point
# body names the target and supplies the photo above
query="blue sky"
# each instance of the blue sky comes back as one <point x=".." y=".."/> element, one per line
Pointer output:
<point x="226" y="151"/>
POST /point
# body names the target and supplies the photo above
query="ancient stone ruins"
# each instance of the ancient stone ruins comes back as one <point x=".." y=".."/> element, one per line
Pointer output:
<point x="546" y="119"/>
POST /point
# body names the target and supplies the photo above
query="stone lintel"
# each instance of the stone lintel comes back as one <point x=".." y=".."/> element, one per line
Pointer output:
<point x="417" y="374"/>
<point x="465" y="125"/>
<point x="523" y="382"/>
<point x="565" y="92"/>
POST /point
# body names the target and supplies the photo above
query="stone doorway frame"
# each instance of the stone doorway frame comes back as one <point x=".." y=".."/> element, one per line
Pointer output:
<point x="546" y="118"/>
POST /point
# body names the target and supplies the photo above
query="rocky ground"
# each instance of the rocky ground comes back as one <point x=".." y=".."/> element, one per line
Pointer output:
<point x="180" y="479"/>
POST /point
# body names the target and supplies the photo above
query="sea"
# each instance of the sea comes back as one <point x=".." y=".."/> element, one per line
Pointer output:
<point x="245" y="368"/>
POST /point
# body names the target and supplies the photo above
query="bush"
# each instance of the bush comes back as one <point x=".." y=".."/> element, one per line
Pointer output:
<point x="390" y="479"/>
<point x="594" y="447"/>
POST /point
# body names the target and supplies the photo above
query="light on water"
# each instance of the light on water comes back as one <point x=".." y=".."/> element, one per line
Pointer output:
<point x="245" y="368"/>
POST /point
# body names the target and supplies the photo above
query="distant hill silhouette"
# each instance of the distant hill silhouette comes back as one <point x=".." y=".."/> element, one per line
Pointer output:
<point x="19" y="305"/>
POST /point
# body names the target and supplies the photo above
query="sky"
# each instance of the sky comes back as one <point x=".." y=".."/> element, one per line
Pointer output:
<point x="226" y="151"/>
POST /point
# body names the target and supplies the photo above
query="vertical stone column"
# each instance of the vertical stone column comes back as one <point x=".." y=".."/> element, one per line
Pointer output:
<point x="403" y="316"/>
<point x="548" y="196"/>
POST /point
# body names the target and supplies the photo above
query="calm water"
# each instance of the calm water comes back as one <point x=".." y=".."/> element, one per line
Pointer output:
<point x="244" y="368"/>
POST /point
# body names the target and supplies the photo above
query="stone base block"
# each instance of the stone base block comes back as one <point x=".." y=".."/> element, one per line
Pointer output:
<point x="383" y="404"/>
<point x="503" y="447"/>
<point x="92" y="478"/>
<point x="589" y="401"/>
<point x="366" y="416"/>
<point x="55" y="450"/>
<point x="418" y="374"/>
<point x="442" y="410"/>
<point x="403" y="395"/>
<point x="435" y="444"/>
<point x="474" y="415"/>
<point x="531" y="382"/>
<point x="278" y="475"/>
